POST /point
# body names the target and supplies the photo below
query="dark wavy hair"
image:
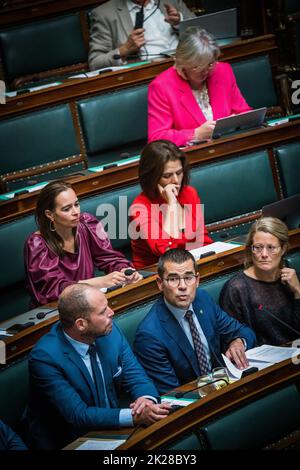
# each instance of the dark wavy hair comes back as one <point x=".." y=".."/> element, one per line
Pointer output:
<point x="152" y="163"/>
<point x="47" y="201"/>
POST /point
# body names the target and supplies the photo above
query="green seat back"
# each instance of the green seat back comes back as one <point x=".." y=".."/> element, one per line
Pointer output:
<point x="42" y="45"/>
<point x="214" y="286"/>
<point x="252" y="72"/>
<point x="187" y="442"/>
<point x="256" y="424"/>
<point x="211" y="6"/>
<point x="14" y="385"/>
<point x="234" y="187"/>
<point x="37" y="138"/>
<point x="293" y="261"/>
<point x="289" y="168"/>
<point x="129" y="320"/>
<point x="13" y="294"/>
<point x="112" y="207"/>
<point x="114" y="123"/>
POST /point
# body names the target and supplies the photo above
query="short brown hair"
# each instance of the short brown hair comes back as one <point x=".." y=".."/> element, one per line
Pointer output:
<point x="175" y="255"/>
<point x="271" y="225"/>
<point x="152" y="163"/>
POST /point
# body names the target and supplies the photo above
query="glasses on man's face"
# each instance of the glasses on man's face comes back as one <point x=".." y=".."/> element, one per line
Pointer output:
<point x="271" y="249"/>
<point x="174" y="281"/>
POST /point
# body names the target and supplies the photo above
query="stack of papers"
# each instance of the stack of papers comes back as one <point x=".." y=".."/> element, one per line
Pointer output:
<point x="262" y="357"/>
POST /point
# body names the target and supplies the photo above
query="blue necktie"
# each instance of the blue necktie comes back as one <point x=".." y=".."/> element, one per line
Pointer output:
<point x="98" y="379"/>
<point x="198" y="345"/>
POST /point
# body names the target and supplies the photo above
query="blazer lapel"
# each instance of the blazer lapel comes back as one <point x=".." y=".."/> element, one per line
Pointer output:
<point x="216" y="95"/>
<point x="176" y="333"/>
<point x="124" y="17"/>
<point x="189" y="102"/>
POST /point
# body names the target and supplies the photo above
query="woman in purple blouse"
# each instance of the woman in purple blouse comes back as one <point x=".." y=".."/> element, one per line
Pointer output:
<point x="68" y="246"/>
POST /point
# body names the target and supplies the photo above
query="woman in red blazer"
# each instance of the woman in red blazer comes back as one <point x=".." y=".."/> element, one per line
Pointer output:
<point x="167" y="214"/>
<point x="185" y="100"/>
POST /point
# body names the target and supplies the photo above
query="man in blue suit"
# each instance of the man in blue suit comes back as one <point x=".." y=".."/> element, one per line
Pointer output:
<point x="77" y="371"/>
<point x="185" y="332"/>
<point x="9" y="440"/>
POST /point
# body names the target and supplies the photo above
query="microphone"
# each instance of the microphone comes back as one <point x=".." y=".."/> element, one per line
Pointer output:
<point x="139" y="18"/>
<point x="182" y="394"/>
<point x="289" y="327"/>
<point x="138" y="56"/>
<point x="127" y="272"/>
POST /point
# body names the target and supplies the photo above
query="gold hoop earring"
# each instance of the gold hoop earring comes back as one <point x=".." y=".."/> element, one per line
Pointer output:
<point x="52" y="226"/>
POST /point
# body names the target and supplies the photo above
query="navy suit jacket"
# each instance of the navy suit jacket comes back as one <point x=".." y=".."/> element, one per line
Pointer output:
<point x="9" y="440"/>
<point x="62" y="403"/>
<point x="164" y="350"/>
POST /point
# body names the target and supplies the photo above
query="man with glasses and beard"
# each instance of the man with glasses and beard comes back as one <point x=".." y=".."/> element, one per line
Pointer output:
<point x="185" y="332"/>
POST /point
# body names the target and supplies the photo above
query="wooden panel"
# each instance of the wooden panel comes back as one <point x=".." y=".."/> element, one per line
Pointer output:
<point x="96" y="183"/>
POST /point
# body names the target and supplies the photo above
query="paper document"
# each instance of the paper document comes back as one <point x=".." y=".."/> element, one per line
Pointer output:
<point x="178" y="401"/>
<point x="262" y="357"/>
<point x="217" y="247"/>
<point x="29" y="189"/>
<point x="100" y="444"/>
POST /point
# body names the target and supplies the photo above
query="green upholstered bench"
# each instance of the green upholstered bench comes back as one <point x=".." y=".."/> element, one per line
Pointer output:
<point x="256" y="424"/>
<point x="187" y="442"/>
<point x="293" y="261"/>
<point x="114" y="123"/>
<point x="255" y="80"/>
<point x="214" y="285"/>
<point x="41" y="46"/>
<point x="288" y="161"/>
<point x="14" y="385"/>
<point x="40" y="143"/>
<point x="233" y="188"/>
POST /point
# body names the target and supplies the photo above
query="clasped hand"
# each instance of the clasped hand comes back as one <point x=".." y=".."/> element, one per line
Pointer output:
<point x="144" y="411"/>
<point x="289" y="277"/>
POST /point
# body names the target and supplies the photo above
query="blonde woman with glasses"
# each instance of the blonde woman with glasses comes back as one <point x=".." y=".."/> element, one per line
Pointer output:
<point x="266" y="295"/>
<point x="185" y="100"/>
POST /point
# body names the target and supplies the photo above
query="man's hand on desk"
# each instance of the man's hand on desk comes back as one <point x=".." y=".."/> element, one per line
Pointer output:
<point x="237" y="354"/>
<point x="144" y="411"/>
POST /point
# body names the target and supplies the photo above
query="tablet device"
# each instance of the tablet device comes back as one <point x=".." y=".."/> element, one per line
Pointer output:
<point x="221" y="24"/>
<point x="287" y="210"/>
<point x="236" y="122"/>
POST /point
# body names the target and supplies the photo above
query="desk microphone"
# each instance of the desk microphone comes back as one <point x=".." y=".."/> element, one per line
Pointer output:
<point x="289" y="327"/>
<point x="182" y="394"/>
<point x="127" y="272"/>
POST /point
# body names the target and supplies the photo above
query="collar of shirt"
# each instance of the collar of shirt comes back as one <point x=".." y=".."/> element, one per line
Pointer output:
<point x="178" y="312"/>
<point x="133" y="7"/>
<point x="81" y="348"/>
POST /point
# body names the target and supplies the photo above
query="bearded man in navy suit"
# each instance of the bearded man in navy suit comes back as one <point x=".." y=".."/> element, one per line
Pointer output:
<point x="70" y="394"/>
<point x="164" y="342"/>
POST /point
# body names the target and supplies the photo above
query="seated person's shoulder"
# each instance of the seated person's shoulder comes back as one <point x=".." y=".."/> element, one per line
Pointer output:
<point x="104" y="9"/>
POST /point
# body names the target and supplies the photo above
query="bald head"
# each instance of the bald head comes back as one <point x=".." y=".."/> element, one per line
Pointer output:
<point x="76" y="302"/>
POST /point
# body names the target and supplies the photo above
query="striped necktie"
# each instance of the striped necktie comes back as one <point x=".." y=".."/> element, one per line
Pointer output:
<point x="198" y="345"/>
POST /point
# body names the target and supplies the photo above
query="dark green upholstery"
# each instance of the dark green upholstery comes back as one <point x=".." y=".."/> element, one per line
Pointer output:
<point x="37" y="139"/>
<point x="98" y="205"/>
<point x="14" y="383"/>
<point x="288" y="158"/>
<point x="114" y="123"/>
<point x="42" y="45"/>
<point x="254" y="78"/>
<point x="234" y="187"/>
<point x="187" y="442"/>
<point x="214" y="286"/>
<point x="14" y="297"/>
<point x="129" y="320"/>
<point x="216" y="5"/>
<point x="256" y="424"/>
<point x="293" y="261"/>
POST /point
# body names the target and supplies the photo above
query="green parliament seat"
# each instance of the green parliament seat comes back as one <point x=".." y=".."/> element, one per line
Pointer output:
<point x="256" y="424"/>
<point x="289" y="167"/>
<point x="14" y="386"/>
<point x="14" y="297"/>
<point x="233" y="188"/>
<point x="255" y="80"/>
<point x="292" y="260"/>
<point x="114" y="123"/>
<point x="129" y="320"/>
<point x="43" y="142"/>
<point x="188" y="442"/>
<point x="41" y="46"/>
<point x="214" y="285"/>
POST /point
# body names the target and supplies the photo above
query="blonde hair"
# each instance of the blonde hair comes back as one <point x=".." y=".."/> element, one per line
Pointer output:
<point x="196" y="47"/>
<point x="271" y="225"/>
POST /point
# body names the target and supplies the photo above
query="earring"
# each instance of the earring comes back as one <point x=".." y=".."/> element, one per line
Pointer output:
<point x="52" y="226"/>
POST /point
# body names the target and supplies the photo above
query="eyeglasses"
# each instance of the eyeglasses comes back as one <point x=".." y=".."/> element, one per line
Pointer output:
<point x="174" y="281"/>
<point x="271" y="249"/>
<point x="201" y="69"/>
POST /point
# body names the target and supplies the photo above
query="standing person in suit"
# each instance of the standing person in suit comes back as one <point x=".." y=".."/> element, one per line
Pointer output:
<point x="185" y="332"/>
<point x="78" y="370"/>
<point x="167" y="214"/>
<point x="113" y="34"/>
<point x="185" y="100"/>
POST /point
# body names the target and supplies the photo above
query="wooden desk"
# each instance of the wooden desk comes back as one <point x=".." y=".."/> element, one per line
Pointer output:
<point x="96" y="183"/>
<point x="74" y="89"/>
<point x="144" y="291"/>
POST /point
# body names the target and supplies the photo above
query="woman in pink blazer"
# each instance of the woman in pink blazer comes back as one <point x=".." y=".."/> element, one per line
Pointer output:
<point x="184" y="101"/>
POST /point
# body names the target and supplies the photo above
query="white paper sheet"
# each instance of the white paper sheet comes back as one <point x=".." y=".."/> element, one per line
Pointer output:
<point x="217" y="247"/>
<point x="100" y="444"/>
<point x="273" y="354"/>
<point x="178" y="401"/>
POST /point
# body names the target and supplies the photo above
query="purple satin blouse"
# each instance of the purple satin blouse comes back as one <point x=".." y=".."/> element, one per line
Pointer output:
<point x="48" y="275"/>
